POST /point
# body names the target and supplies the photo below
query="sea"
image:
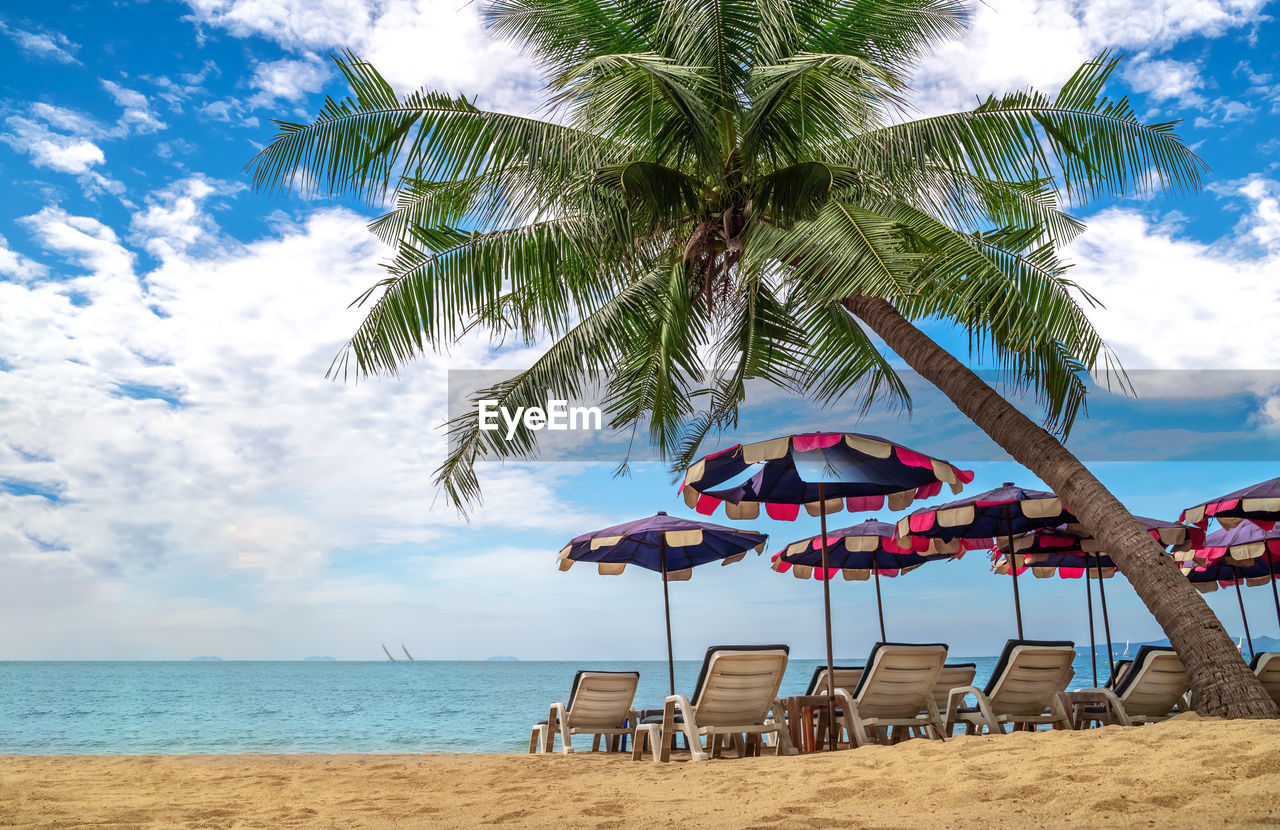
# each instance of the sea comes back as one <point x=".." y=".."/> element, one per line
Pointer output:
<point x="156" y="707"/>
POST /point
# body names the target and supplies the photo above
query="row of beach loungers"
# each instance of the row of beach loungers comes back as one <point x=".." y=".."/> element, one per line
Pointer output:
<point x="905" y="689"/>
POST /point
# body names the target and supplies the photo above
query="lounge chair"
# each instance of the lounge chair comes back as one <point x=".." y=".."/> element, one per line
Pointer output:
<point x="952" y="676"/>
<point x="736" y="695"/>
<point x="1152" y="688"/>
<point x="1025" y="689"/>
<point x="895" y="690"/>
<point x="847" y="677"/>
<point x="1266" y="664"/>
<point x="599" y="704"/>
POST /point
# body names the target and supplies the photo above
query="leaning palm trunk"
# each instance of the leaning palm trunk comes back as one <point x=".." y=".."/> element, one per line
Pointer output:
<point x="1221" y="683"/>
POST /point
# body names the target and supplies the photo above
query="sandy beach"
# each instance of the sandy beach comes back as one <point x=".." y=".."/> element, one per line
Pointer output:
<point x="1188" y="772"/>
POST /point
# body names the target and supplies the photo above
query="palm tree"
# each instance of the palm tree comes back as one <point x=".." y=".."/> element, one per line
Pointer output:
<point x="717" y="192"/>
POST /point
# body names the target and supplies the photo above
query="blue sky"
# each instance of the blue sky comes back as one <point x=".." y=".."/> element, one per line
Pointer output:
<point x="178" y="478"/>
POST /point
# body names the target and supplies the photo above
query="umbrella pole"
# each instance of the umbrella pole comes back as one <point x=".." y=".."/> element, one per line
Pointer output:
<point x="826" y="608"/>
<point x="1240" y="598"/>
<point x="875" y="569"/>
<point x="666" y="607"/>
<point x="1106" y="620"/>
<point x="1093" y="648"/>
<point x="1271" y="567"/>
<point x="1013" y="568"/>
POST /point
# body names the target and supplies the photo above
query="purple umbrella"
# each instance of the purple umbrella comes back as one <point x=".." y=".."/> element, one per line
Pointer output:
<point x="975" y="522"/>
<point x="1259" y="503"/>
<point x="825" y="472"/>
<point x="667" y="544"/>
<point x="859" y="552"/>
<point x="1245" y="553"/>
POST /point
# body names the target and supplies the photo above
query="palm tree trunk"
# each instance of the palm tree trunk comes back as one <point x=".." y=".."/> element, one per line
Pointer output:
<point x="1221" y="683"/>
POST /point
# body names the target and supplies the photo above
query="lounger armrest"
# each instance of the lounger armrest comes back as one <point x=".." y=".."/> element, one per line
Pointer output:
<point x="1103" y="697"/>
<point x="557" y="721"/>
<point x="852" y="719"/>
<point x="955" y="699"/>
<point x="669" y="707"/>
<point x="778" y="714"/>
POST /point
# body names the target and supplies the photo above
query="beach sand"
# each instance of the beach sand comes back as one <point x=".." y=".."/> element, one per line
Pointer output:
<point x="1188" y="772"/>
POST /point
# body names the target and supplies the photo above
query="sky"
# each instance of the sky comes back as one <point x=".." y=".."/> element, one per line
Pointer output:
<point x="178" y="478"/>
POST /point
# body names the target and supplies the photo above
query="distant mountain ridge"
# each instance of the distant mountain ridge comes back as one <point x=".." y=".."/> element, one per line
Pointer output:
<point x="1260" y="643"/>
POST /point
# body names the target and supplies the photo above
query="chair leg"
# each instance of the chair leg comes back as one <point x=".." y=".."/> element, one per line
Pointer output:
<point x="535" y="739"/>
<point x="595" y="742"/>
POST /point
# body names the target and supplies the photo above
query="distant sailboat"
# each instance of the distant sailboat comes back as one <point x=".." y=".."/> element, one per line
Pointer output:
<point x="1126" y="649"/>
<point x="384" y="651"/>
<point x="406" y="652"/>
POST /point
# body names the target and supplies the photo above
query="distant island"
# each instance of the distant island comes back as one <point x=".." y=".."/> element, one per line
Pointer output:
<point x="319" y="659"/>
<point x="501" y="658"/>
<point x="206" y="660"/>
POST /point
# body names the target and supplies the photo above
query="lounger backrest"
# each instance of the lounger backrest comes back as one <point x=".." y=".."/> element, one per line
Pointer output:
<point x="847" y="678"/>
<point x="898" y="679"/>
<point x="1155" y="683"/>
<point x="953" y="675"/>
<point x="1028" y="675"/>
<point x="1266" y="665"/>
<point x="1118" y="672"/>
<point x="738" y="684"/>
<point x="601" y="698"/>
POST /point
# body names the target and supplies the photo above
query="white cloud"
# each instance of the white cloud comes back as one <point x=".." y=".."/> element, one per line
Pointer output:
<point x="138" y="115"/>
<point x="1177" y="303"/>
<point x="56" y="151"/>
<point x="287" y="79"/>
<point x="437" y="43"/>
<point x="182" y="421"/>
<point x="14" y="264"/>
<point x="1019" y="43"/>
<point x="1166" y="79"/>
<point x="53" y="46"/>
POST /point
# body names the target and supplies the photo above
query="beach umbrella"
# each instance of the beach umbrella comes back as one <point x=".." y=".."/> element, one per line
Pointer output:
<point x="826" y="473"/>
<point x="865" y="551"/>
<point x="1259" y="503"/>
<point x="670" y="545"/>
<point x="1008" y="510"/>
<point x="1071" y="552"/>
<point x="1244" y="554"/>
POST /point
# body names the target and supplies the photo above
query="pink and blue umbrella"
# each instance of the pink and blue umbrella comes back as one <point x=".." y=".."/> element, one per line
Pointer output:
<point x="826" y="472"/>
<point x="864" y="551"/>
<point x="1259" y="503"/>
<point x="1006" y="511"/>
<point x="1245" y="554"/>
<point x="669" y="545"/>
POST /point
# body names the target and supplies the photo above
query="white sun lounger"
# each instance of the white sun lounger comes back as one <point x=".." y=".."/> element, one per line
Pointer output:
<point x="1153" y="688"/>
<point x="895" y="690"/>
<point x="1025" y="689"/>
<point x="1266" y="665"/>
<point x="599" y="705"/>
<point x="736" y="695"/>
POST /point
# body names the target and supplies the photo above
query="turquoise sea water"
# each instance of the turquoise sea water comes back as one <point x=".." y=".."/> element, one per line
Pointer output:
<point x="107" y="708"/>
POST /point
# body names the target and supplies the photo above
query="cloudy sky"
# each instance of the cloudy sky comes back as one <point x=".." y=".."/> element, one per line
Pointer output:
<point x="177" y="477"/>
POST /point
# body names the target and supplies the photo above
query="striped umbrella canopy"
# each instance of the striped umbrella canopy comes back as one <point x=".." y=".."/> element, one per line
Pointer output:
<point x="1069" y="551"/>
<point x="670" y="545"/>
<point x="1007" y="511"/>
<point x="1259" y="503"/>
<point x="1244" y="554"/>
<point x="865" y="551"/>
<point x="826" y="472"/>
